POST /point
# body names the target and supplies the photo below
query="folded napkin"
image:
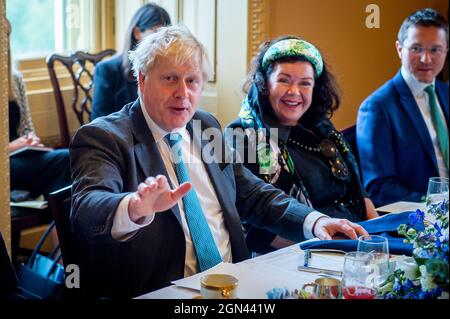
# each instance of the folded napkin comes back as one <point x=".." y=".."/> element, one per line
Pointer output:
<point x="385" y="226"/>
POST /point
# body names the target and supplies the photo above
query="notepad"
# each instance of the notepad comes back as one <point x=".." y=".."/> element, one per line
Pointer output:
<point x="28" y="149"/>
<point x="322" y="262"/>
<point x="37" y="203"/>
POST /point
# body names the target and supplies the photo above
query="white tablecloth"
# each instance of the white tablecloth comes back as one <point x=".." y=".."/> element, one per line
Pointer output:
<point x="256" y="276"/>
<point x="273" y="270"/>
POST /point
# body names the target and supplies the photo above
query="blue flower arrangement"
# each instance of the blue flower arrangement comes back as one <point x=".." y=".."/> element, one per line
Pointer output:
<point x="425" y="274"/>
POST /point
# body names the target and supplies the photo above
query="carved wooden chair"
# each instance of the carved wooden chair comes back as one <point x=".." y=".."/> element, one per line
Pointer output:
<point x="60" y="205"/>
<point x="80" y="66"/>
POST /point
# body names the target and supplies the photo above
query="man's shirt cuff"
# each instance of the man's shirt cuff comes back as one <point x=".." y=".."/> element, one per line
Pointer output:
<point x="309" y="222"/>
<point x="123" y="227"/>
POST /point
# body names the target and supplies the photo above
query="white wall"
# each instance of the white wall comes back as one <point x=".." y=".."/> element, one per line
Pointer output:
<point x="124" y="12"/>
<point x="231" y="57"/>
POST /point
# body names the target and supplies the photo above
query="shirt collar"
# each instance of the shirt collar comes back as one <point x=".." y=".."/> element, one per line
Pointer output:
<point x="159" y="133"/>
<point x="417" y="88"/>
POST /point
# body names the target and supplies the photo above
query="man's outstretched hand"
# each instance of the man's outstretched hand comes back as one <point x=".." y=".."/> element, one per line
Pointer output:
<point x="154" y="196"/>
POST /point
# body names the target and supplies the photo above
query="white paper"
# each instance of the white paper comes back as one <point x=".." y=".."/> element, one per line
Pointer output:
<point x="399" y="207"/>
<point x="37" y="203"/>
<point x="323" y="260"/>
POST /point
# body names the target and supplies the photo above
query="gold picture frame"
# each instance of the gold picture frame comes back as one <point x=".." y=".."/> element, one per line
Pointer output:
<point x="5" y="215"/>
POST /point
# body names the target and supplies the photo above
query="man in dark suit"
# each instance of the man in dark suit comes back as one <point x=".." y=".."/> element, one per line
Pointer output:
<point x="137" y="209"/>
<point x="402" y="128"/>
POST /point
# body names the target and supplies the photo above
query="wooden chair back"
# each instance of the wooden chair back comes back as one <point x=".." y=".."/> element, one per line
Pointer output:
<point x="80" y="66"/>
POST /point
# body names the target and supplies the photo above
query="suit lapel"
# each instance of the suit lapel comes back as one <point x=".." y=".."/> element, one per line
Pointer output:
<point x="412" y="110"/>
<point x="146" y="150"/>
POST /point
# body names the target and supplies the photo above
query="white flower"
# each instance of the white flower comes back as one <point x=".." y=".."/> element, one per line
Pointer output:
<point x="417" y="250"/>
<point x="426" y="280"/>
<point x="409" y="267"/>
<point x="422" y="253"/>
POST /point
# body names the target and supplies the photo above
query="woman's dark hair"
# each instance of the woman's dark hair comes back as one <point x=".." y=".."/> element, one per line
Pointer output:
<point x="147" y="17"/>
<point x="326" y="95"/>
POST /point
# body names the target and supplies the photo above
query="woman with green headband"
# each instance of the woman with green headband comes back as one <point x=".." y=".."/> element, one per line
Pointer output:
<point x="284" y="135"/>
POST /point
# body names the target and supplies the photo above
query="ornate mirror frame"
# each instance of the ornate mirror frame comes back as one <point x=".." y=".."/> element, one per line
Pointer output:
<point x="5" y="217"/>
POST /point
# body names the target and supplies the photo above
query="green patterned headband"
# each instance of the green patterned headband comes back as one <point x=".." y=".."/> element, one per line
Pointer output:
<point x="292" y="48"/>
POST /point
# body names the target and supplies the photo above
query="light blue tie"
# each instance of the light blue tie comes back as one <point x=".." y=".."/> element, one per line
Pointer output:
<point x="207" y="253"/>
<point x="438" y="123"/>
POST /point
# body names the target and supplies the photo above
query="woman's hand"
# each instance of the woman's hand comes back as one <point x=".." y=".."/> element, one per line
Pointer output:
<point x="370" y="209"/>
<point x="23" y="141"/>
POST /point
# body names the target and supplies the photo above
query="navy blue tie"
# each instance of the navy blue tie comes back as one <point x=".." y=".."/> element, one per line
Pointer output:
<point x="207" y="253"/>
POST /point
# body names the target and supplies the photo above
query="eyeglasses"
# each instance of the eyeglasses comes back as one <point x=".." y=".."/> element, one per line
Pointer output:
<point x="338" y="167"/>
<point x="419" y="50"/>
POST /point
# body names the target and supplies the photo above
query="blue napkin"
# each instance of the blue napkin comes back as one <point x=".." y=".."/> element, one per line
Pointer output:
<point x="385" y="226"/>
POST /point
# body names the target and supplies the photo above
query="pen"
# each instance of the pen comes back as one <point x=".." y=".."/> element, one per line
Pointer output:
<point x="306" y="257"/>
<point x="320" y="270"/>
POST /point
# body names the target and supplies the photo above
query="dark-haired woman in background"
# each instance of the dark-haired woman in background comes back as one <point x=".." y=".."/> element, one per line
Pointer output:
<point x="114" y="84"/>
<point x="289" y="88"/>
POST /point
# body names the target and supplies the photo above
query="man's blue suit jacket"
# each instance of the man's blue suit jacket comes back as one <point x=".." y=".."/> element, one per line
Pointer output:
<point x="395" y="149"/>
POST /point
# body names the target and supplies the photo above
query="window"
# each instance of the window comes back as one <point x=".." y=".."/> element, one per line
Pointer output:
<point x="40" y="27"/>
<point x="31" y="36"/>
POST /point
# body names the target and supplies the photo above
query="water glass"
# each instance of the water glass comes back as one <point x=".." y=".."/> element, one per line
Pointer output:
<point x="357" y="282"/>
<point x="437" y="190"/>
<point x="378" y="246"/>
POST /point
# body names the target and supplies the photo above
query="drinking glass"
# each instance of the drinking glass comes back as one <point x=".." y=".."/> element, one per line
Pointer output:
<point x="437" y="190"/>
<point x="357" y="280"/>
<point x="378" y="246"/>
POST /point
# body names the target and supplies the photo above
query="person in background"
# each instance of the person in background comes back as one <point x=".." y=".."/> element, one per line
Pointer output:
<point x="290" y="89"/>
<point x="114" y="85"/>
<point x="37" y="172"/>
<point x="147" y="207"/>
<point x="402" y="128"/>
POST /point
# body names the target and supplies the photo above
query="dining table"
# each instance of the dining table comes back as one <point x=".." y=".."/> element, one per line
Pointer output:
<point x="280" y="269"/>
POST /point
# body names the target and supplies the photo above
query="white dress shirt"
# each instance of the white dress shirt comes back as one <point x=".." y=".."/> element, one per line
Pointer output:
<point x="123" y="228"/>
<point x="417" y="88"/>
